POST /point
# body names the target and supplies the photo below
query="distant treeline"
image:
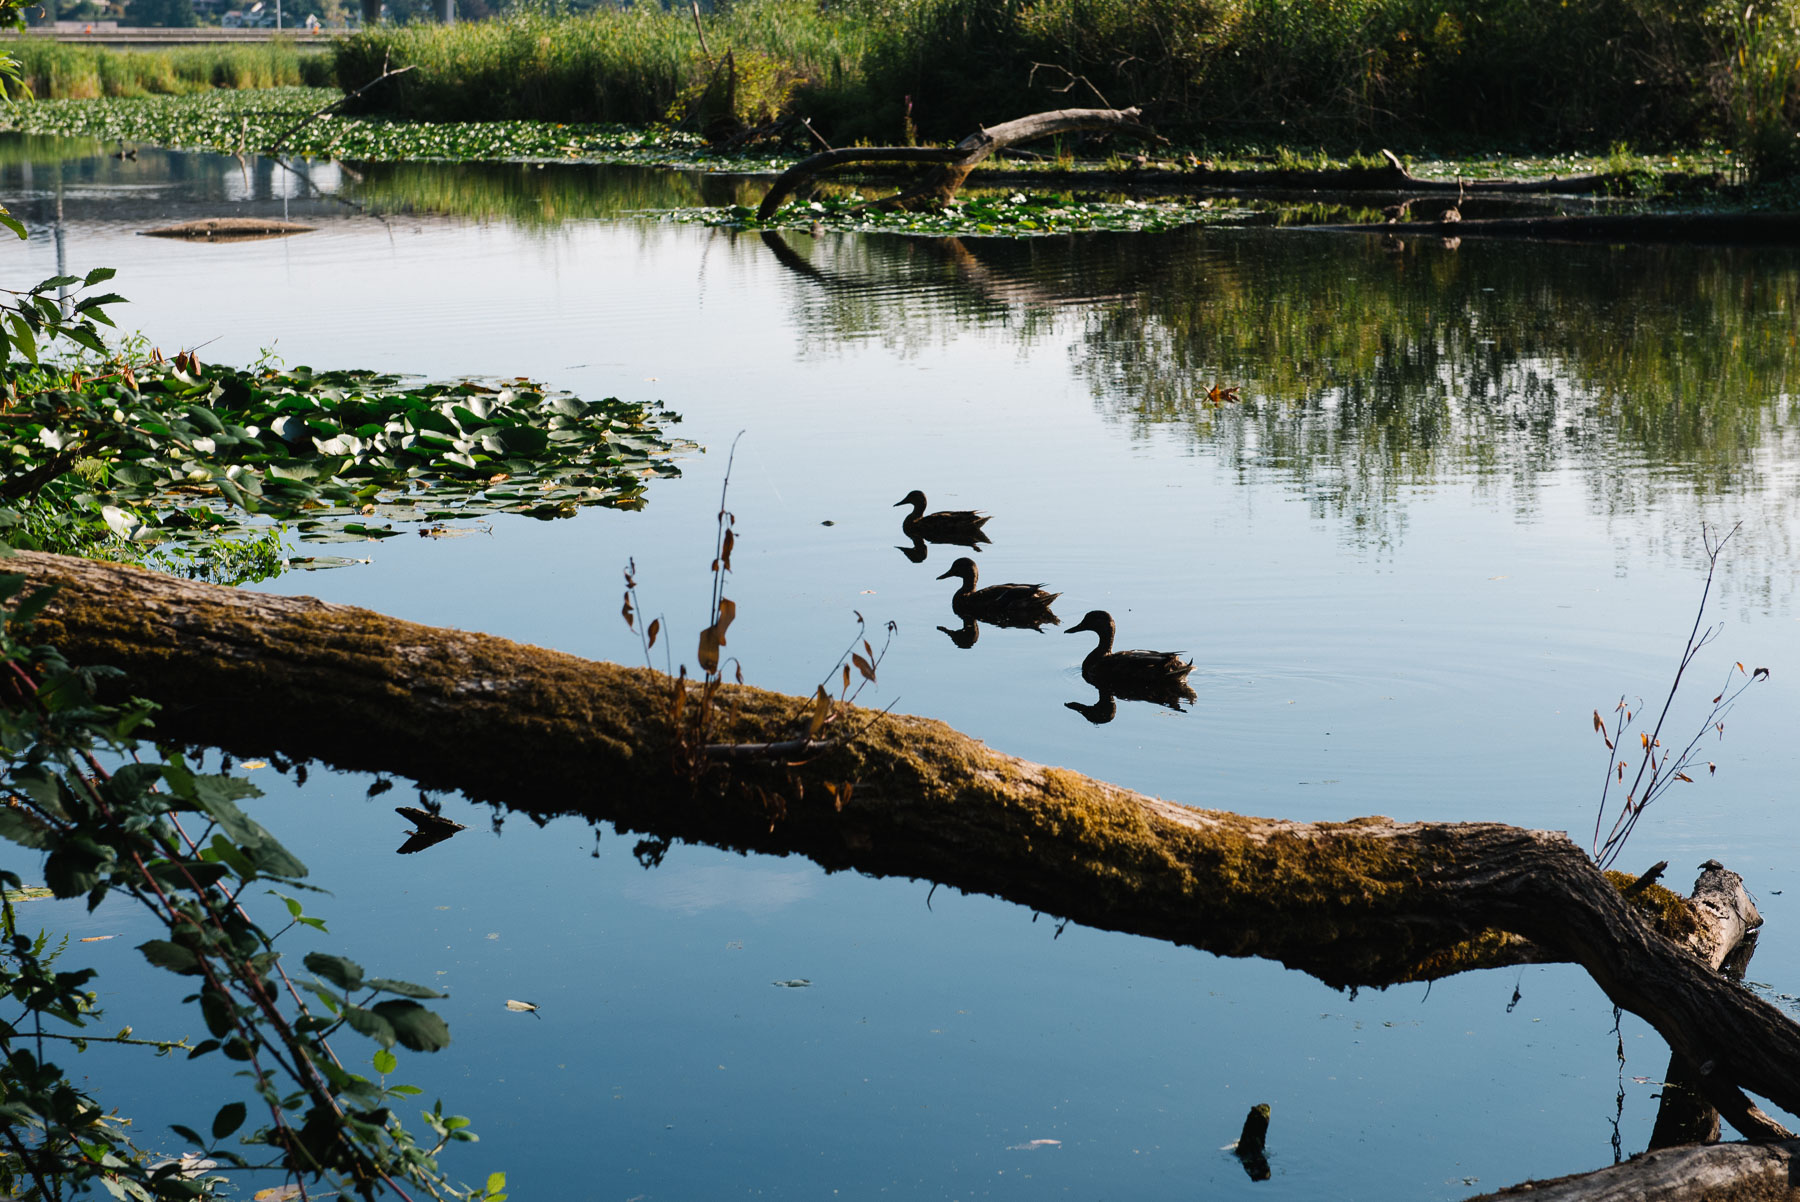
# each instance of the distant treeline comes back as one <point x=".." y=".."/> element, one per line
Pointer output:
<point x="1443" y="75"/>
<point x="1471" y="73"/>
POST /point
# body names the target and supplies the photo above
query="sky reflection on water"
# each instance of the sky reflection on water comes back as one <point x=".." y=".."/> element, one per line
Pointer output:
<point x="1456" y="509"/>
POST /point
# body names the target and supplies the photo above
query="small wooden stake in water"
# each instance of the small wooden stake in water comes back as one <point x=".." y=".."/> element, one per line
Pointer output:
<point x="1250" y="1144"/>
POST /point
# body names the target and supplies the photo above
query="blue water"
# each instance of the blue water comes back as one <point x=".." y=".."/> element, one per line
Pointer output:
<point x="1407" y="575"/>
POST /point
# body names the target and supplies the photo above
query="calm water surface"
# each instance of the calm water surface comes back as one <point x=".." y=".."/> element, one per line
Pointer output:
<point x="1457" y="509"/>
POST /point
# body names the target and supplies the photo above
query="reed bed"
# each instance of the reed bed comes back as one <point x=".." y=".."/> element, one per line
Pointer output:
<point x="60" y="71"/>
<point x="638" y="64"/>
<point x="1338" y="73"/>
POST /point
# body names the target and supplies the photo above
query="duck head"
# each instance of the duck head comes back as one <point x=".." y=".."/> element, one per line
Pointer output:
<point x="1097" y="620"/>
<point x="963" y="567"/>
<point x="915" y="498"/>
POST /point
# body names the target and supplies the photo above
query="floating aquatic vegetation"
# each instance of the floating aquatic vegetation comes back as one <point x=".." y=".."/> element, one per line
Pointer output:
<point x="254" y="122"/>
<point x="178" y="459"/>
<point x="1010" y="215"/>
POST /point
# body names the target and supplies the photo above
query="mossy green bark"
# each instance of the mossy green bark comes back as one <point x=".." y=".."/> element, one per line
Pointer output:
<point x="1365" y="902"/>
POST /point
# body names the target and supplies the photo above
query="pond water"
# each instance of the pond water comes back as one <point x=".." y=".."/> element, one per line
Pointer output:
<point x="1457" y="508"/>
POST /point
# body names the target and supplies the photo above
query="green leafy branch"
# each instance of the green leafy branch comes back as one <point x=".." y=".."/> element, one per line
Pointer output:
<point x="125" y="829"/>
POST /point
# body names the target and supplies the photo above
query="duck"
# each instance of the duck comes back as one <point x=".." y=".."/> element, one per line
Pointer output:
<point x="958" y="526"/>
<point x="1000" y="604"/>
<point x="1159" y="676"/>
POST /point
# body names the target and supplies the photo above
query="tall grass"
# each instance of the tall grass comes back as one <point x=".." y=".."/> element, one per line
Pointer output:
<point x="59" y="71"/>
<point x="1762" y="90"/>
<point x="638" y="64"/>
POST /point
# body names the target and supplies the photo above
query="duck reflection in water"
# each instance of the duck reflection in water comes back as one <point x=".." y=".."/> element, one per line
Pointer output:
<point x="1016" y="605"/>
<point x="1159" y="677"/>
<point x="965" y="635"/>
<point x="957" y="527"/>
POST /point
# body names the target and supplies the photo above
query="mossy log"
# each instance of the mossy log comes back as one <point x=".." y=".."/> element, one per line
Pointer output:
<point x="1367" y="902"/>
<point x="953" y="163"/>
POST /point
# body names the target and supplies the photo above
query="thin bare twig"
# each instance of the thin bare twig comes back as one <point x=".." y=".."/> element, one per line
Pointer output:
<point x="1655" y="775"/>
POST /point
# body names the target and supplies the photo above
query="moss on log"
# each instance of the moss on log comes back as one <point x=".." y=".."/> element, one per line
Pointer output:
<point x="1365" y="902"/>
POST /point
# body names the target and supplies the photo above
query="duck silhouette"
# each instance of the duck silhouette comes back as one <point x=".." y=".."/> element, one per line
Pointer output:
<point x="965" y="635"/>
<point x="1157" y="676"/>
<point x="1017" y="605"/>
<point x="959" y="527"/>
<point x="1100" y="712"/>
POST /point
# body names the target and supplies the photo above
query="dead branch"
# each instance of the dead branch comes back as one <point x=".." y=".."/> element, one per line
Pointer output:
<point x="955" y="163"/>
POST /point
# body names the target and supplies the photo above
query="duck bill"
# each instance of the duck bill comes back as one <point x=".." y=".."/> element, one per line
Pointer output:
<point x="948" y="574"/>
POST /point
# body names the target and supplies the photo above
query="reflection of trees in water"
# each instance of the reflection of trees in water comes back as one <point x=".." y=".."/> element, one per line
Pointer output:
<point x="1663" y="378"/>
<point x="1653" y="372"/>
<point x="908" y="293"/>
<point x="536" y="195"/>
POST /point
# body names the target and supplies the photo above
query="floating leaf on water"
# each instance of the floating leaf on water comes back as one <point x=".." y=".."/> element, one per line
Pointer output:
<point x="795" y="983"/>
<point x="521" y="1007"/>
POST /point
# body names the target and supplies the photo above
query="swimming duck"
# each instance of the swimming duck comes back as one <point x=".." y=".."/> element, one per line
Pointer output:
<point x="1000" y="604"/>
<point x="1140" y="675"/>
<point x="959" y="526"/>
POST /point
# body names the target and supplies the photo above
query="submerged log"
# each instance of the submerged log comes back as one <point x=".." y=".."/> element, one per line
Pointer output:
<point x="229" y="229"/>
<point x="1706" y="229"/>
<point x="1365" y="902"/>
<point x="953" y="164"/>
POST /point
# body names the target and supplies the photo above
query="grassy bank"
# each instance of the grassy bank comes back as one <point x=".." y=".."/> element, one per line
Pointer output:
<point x="57" y="70"/>
<point x="1418" y="73"/>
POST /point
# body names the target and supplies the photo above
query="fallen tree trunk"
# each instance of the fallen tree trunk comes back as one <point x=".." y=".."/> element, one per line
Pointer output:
<point x="953" y="164"/>
<point x="1708" y="229"/>
<point x="1715" y="1173"/>
<point x="1366" y="902"/>
<point x="1725" y="938"/>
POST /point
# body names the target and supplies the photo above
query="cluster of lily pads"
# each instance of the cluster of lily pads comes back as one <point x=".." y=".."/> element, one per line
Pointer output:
<point x="1012" y="215"/>
<point x="194" y="462"/>
<point x="252" y="122"/>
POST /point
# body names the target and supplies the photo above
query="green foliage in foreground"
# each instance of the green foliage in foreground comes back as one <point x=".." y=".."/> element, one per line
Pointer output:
<point x="1013" y="216"/>
<point x="110" y="815"/>
<point x="252" y="122"/>
<point x="61" y="71"/>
